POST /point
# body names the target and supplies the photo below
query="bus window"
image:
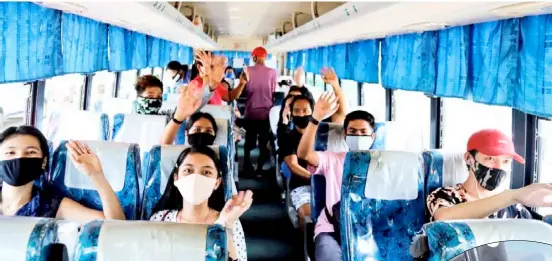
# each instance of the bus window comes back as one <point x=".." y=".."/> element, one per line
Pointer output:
<point x="545" y="157"/>
<point x="126" y="88"/>
<point x="13" y="103"/>
<point x="461" y="118"/>
<point x="291" y="73"/>
<point x="62" y="93"/>
<point x="103" y="85"/>
<point x="146" y="71"/>
<point x="158" y="72"/>
<point x="318" y="82"/>
<point x="373" y="97"/>
<point x="415" y="112"/>
<point x="350" y="89"/>
<point x="310" y="79"/>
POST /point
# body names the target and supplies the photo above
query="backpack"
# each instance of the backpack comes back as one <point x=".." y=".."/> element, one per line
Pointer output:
<point x="334" y="220"/>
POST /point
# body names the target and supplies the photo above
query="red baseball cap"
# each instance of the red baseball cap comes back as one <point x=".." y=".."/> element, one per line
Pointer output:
<point x="259" y="52"/>
<point x="494" y="143"/>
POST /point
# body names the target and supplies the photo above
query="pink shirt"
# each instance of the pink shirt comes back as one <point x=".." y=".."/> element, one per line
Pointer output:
<point x="260" y="88"/>
<point x="330" y="164"/>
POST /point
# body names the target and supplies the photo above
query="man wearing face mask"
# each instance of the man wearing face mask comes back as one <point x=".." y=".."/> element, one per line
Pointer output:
<point x="489" y="159"/>
<point x="149" y="93"/>
<point x="359" y="134"/>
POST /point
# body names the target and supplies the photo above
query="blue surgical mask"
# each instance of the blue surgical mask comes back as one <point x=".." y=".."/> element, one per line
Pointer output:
<point x="229" y="76"/>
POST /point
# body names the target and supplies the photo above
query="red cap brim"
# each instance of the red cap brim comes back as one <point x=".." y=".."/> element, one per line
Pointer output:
<point x="503" y="152"/>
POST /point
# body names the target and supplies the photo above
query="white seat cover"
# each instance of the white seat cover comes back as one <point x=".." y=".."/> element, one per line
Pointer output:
<point x="219" y="111"/>
<point x="76" y="125"/>
<point x="15" y="236"/>
<point x="145" y="130"/>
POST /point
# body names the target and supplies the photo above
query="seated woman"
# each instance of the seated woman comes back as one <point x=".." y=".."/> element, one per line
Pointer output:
<point x="195" y="195"/>
<point x="24" y="158"/>
<point x="178" y="73"/>
<point x="201" y="127"/>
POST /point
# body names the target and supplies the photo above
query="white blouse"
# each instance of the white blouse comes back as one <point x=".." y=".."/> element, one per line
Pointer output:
<point x="237" y="233"/>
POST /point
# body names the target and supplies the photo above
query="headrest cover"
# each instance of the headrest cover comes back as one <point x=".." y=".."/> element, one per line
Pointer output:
<point x="336" y="139"/>
<point x="113" y="157"/>
<point x="400" y="136"/>
<point x="78" y="125"/>
<point x="145" y="130"/>
<point x="116" y="105"/>
<point x="18" y="235"/>
<point x="393" y="175"/>
<point x="219" y="111"/>
<point x="455" y="170"/>
<point x="151" y="241"/>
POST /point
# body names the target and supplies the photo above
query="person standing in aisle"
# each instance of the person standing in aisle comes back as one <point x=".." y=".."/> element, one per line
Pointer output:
<point x="260" y="89"/>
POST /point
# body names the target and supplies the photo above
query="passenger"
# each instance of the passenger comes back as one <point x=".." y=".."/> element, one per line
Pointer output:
<point x="24" y="157"/>
<point x="301" y="111"/>
<point x="207" y="75"/>
<point x="149" y="95"/>
<point x="201" y="127"/>
<point x="179" y="74"/>
<point x="330" y="78"/>
<point x="229" y="75"/>
<point x="195" y="195"/>
<point x="489" y="159"/>
<point x="227" y="94"/>
<point x="260" y="90"/>
<point x="359" y="134"/>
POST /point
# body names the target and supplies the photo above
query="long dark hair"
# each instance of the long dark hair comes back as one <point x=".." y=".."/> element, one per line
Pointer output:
<point x="31" y="131"/>
<point x="181" y="69"/>
<point x="172" y="200"/>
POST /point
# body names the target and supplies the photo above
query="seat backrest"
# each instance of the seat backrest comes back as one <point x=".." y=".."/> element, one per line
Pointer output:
<point x="219" y="111"/>
<point x="79" y="125"/>
<point x="23" y="239"/>
<point x="123" y="240"/>
<point x="145" y="130"/>
<point x="447" y="239"/>
<point x="393" y="135"/>
<point x="121" y="166"/>
<point x="160" y="163"/>
<point x="274" y="117"/>
<point x="444" y="169"/>
<point x="114" y="105"/>
<point x="382" y="204"/>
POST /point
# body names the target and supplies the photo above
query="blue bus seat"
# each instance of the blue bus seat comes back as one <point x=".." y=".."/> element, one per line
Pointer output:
<point x="444" y="169"/>
<point x="23" y="238"/>
<point x="448" y="239"/>
<point x="159" y="166"/>
<point x="138" y="128"/>
<point x="382" y="204"/>
<point x="121" y="166"/>
<point x="141" y="240"/>
<point x="79" y="125"/>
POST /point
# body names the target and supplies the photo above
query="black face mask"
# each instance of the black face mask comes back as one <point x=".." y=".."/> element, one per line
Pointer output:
<point x="302" y="121"/>
<point x="201" y="139"/>
<point x="20" y="171"/>
<point x="487" y="177"/>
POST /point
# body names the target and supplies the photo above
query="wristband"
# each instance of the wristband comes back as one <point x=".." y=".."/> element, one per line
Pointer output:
<point x="314" y="121"/>
<point x="176" y="121"/>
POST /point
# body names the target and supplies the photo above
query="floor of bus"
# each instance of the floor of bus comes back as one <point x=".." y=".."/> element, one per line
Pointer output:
<point x="269" y="234"/>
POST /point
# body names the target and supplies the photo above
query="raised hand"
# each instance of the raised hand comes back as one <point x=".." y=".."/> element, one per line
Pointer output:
<point x="244" y="77"/>
<point x="325" y="106"/>
<point x="535" y="195"/>
<point x="206" y="60"/>
<point x="236" y="206"/>
<point x="84" y="159"/>
<point x="299" y="76"/>
<point x="329" y="76"/>
<point x="189" y="101"/>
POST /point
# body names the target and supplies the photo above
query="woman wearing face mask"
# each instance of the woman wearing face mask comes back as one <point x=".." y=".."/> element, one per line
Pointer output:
<point x="24" y="158"/>
<point x="178" y="73"/>
<point x="301" y="111"/>
<point x="195" y="195"/>
<point x="201" y="128"/>
<point x="489" y="159"/>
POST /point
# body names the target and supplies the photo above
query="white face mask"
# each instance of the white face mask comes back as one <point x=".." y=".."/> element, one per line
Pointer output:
<point x="359" y="142"/>
<point x="195" y="188"/>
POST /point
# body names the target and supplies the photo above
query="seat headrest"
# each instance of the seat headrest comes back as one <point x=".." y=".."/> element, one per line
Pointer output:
<point x="329" y="137"/>
<point x="142" y="129"/>
<point x="274" y="117"/>
<point x="114" y="105"/>
<point x="81" y="125"/>
<point x="393" y="135"/>
<point x="219" y="111"/>
<point x="222" y="132"/>
<point x="23" y="238"/>
<point x="140" y="240"/>
<point x="448" y="239"/>
<point x="444" y="168"/>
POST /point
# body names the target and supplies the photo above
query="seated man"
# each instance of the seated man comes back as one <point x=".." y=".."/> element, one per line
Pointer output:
<point x="489" y="158"/>
<point x="359" y="134"/>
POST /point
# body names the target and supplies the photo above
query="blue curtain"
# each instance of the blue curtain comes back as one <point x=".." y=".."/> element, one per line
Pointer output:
<point x="127" y="49"/>
<point x="184" y="54"/>
<point x="338" y="60"/>
<point x="534" y="93"/>
<point x="84" y="44"/>
<point x="408" y="62"/>
<point x="30" y="42"/>
<point x="155" y="52"/>
<point x="452" y="62"/>
<point x="494" y="61"/>
<point x="362" y="61"/>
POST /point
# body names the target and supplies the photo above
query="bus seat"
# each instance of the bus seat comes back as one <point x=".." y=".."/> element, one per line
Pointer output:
<point x="78" y="125"/>
<point x="383" y="203"/>
<point x="393" y="135"/>
<point x="444" y="169"/>
<point x="121" y="166"/>
<point x="24" y="238"/>
<point x="141" y="240"/>
<point x="274" y="117"/>
<point x="67" y="234"/>
<point x="114" y="105"/>
<point x="447" y="239"/>
<point x="159" y="167"/>
<point x="138" y="128"/>
<point x="318" y="196"/>
<point x="219" y="111"/>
